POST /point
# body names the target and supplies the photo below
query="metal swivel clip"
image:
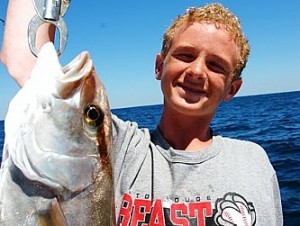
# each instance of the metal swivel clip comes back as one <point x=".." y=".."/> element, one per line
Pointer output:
<point x="49" y="11"/>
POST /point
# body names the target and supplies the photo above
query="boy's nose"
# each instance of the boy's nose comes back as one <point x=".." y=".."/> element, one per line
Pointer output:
<point x="197" y="69"/>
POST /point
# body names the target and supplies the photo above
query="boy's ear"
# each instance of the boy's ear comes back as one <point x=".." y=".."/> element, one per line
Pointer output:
<point x="233" y="89"/>
<point x="158" y="66"/>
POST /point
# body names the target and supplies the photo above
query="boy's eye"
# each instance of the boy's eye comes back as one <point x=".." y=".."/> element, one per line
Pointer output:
<point x="186" y="57"/>
<point x="216" y="67"/>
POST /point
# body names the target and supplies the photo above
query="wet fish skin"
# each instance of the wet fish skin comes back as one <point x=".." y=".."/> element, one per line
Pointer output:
<point x="56" y="167"/>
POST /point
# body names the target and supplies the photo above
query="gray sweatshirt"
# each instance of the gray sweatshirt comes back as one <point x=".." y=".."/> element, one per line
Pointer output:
<point x="231" y="182"/>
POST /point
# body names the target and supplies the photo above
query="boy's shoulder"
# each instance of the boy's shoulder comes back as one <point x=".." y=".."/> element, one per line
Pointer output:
<point x="243" y="149"/>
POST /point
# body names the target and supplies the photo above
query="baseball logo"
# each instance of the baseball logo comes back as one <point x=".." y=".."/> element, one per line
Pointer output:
<point x="234" y="210"/>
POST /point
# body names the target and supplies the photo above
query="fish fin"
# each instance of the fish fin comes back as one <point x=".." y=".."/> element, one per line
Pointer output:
<point x="52" y="215"/>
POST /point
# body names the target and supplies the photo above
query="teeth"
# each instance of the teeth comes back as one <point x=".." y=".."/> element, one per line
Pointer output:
<point x="193" y="90"/>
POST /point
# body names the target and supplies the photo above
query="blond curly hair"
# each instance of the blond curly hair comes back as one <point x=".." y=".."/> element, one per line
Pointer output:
<point x="217" y="14"/>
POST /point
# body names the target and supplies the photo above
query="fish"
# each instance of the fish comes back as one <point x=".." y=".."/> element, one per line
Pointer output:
<point x="56" y="168"/>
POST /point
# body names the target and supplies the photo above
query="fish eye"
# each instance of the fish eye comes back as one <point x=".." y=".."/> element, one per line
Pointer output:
<point x="93" y="115"/>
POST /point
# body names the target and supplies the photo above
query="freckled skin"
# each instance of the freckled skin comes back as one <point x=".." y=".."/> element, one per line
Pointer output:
<point x="196" y="74"/>
<point x="200" y="59"/>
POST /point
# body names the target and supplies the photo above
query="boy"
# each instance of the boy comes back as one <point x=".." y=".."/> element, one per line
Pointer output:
<point x="183" y="174"/>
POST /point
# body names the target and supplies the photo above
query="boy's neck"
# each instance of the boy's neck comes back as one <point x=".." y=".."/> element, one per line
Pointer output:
<point x="187" y="134"/>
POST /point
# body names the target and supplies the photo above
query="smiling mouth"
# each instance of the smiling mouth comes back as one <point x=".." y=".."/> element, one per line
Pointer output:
<point x="191" y="89"/>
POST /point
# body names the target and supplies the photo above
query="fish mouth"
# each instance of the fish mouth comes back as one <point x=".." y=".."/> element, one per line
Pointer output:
<point x="77" y="68"/>
<point x="74" y="73"/>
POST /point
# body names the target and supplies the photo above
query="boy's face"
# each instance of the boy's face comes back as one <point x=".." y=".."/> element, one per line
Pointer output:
<point x="197" y="72"/>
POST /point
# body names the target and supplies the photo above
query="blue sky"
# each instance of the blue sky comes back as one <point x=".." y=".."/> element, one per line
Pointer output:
<point x="123" y="38"/>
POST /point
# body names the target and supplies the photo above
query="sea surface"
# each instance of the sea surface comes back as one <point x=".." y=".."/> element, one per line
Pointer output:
<point x="271" y="120"/>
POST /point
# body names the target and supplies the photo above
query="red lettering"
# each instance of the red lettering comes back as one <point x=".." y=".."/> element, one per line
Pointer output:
<point x="141" y="207"/>
<point x="203" y="210"/>
<point x="157" y="216"/>
<point x="133" y="212"/>
<point x="178" y="210"/>
<point x="125" y="211"/>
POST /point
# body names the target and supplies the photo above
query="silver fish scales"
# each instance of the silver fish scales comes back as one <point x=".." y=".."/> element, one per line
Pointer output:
<point x="56" y="167"/>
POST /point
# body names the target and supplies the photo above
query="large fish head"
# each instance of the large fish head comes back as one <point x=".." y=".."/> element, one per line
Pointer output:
<point x="59" y="124"/>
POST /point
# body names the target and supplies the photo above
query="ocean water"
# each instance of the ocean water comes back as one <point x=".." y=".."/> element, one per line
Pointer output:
<point x="271" y="120"/>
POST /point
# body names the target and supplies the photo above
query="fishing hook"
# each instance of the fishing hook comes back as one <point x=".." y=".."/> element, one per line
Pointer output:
<point x="52" y="12"/>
